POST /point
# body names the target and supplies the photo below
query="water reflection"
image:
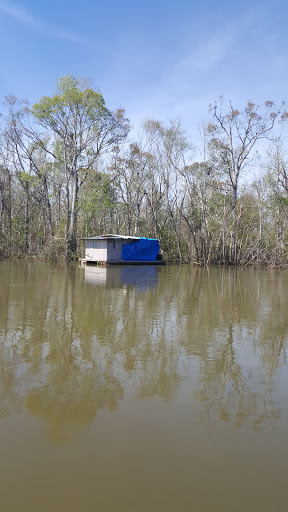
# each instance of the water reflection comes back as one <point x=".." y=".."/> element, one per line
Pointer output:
<point x="143" y="277"/>
<point x="213" y="337"/>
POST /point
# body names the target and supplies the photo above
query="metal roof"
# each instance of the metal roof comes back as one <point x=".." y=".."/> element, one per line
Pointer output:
<point x="111" y="236"/>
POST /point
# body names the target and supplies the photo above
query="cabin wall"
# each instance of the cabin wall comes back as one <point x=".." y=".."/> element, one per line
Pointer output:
<point x="114" y="249"/>
<point x="99" y="254"/>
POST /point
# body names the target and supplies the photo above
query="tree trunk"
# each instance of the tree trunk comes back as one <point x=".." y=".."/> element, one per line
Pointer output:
<point x="234" y="249"/>
<point x="27" y="219"/>
<point x="48" y="207"/>
<point x="72" y="242"/>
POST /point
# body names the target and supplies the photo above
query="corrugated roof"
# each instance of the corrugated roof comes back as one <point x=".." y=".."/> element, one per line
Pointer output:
<point x="111" y="236"/>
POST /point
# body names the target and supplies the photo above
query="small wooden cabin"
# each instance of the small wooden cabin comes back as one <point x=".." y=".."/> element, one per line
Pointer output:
<point x="120" y="249"/>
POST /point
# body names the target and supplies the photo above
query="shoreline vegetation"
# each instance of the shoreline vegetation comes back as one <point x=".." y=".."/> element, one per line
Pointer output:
<point x="42" y="258"/>
<point x="70" y="168"/>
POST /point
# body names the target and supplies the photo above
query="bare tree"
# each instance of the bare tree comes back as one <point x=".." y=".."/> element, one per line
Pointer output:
<point x="234" y="136"/>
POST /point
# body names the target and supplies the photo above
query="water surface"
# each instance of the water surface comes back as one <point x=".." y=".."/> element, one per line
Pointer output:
<point x="143" y="389"/>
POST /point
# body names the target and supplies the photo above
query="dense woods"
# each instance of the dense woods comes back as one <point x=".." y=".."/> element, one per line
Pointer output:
<point x="71" y="168"/>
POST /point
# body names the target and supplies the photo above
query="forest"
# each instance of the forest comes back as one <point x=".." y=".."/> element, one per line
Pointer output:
<point x="72" y="168"/>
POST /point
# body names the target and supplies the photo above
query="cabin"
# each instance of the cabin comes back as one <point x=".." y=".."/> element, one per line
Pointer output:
<point x="120" y="249"/>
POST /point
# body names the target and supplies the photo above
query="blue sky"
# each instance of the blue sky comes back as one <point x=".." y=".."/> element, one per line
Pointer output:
<point x="160" y="59"/>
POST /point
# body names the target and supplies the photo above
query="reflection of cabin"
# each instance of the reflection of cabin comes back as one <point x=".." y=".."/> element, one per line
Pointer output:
<point x="140" y="277"/>
<point x="118" y="249"/>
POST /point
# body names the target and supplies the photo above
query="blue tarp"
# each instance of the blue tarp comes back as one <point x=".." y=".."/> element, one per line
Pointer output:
<point x="145" y="249"/>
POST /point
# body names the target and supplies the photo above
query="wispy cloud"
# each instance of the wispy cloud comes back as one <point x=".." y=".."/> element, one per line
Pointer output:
<point x="18" y="13"/>
<point x="21" y="15"/>
<point x="207" y="55"/>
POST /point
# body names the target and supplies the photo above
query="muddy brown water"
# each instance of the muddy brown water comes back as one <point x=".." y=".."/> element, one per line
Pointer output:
<point x="143" y="389"/>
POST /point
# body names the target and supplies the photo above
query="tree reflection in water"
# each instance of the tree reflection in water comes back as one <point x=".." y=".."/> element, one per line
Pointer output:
<point x="71" y="345"/>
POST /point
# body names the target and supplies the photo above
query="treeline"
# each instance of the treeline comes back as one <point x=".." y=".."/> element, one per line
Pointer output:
<point x="69" y="168"/>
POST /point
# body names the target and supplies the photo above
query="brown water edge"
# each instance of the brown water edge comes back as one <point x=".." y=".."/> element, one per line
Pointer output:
<point x="143" y="388"/>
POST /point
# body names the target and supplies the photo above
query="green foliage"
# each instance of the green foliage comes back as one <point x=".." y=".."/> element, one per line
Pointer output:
<point x="283" y="200"/>
<point x="57" y="186"/>
<point x="73" y="99"/>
